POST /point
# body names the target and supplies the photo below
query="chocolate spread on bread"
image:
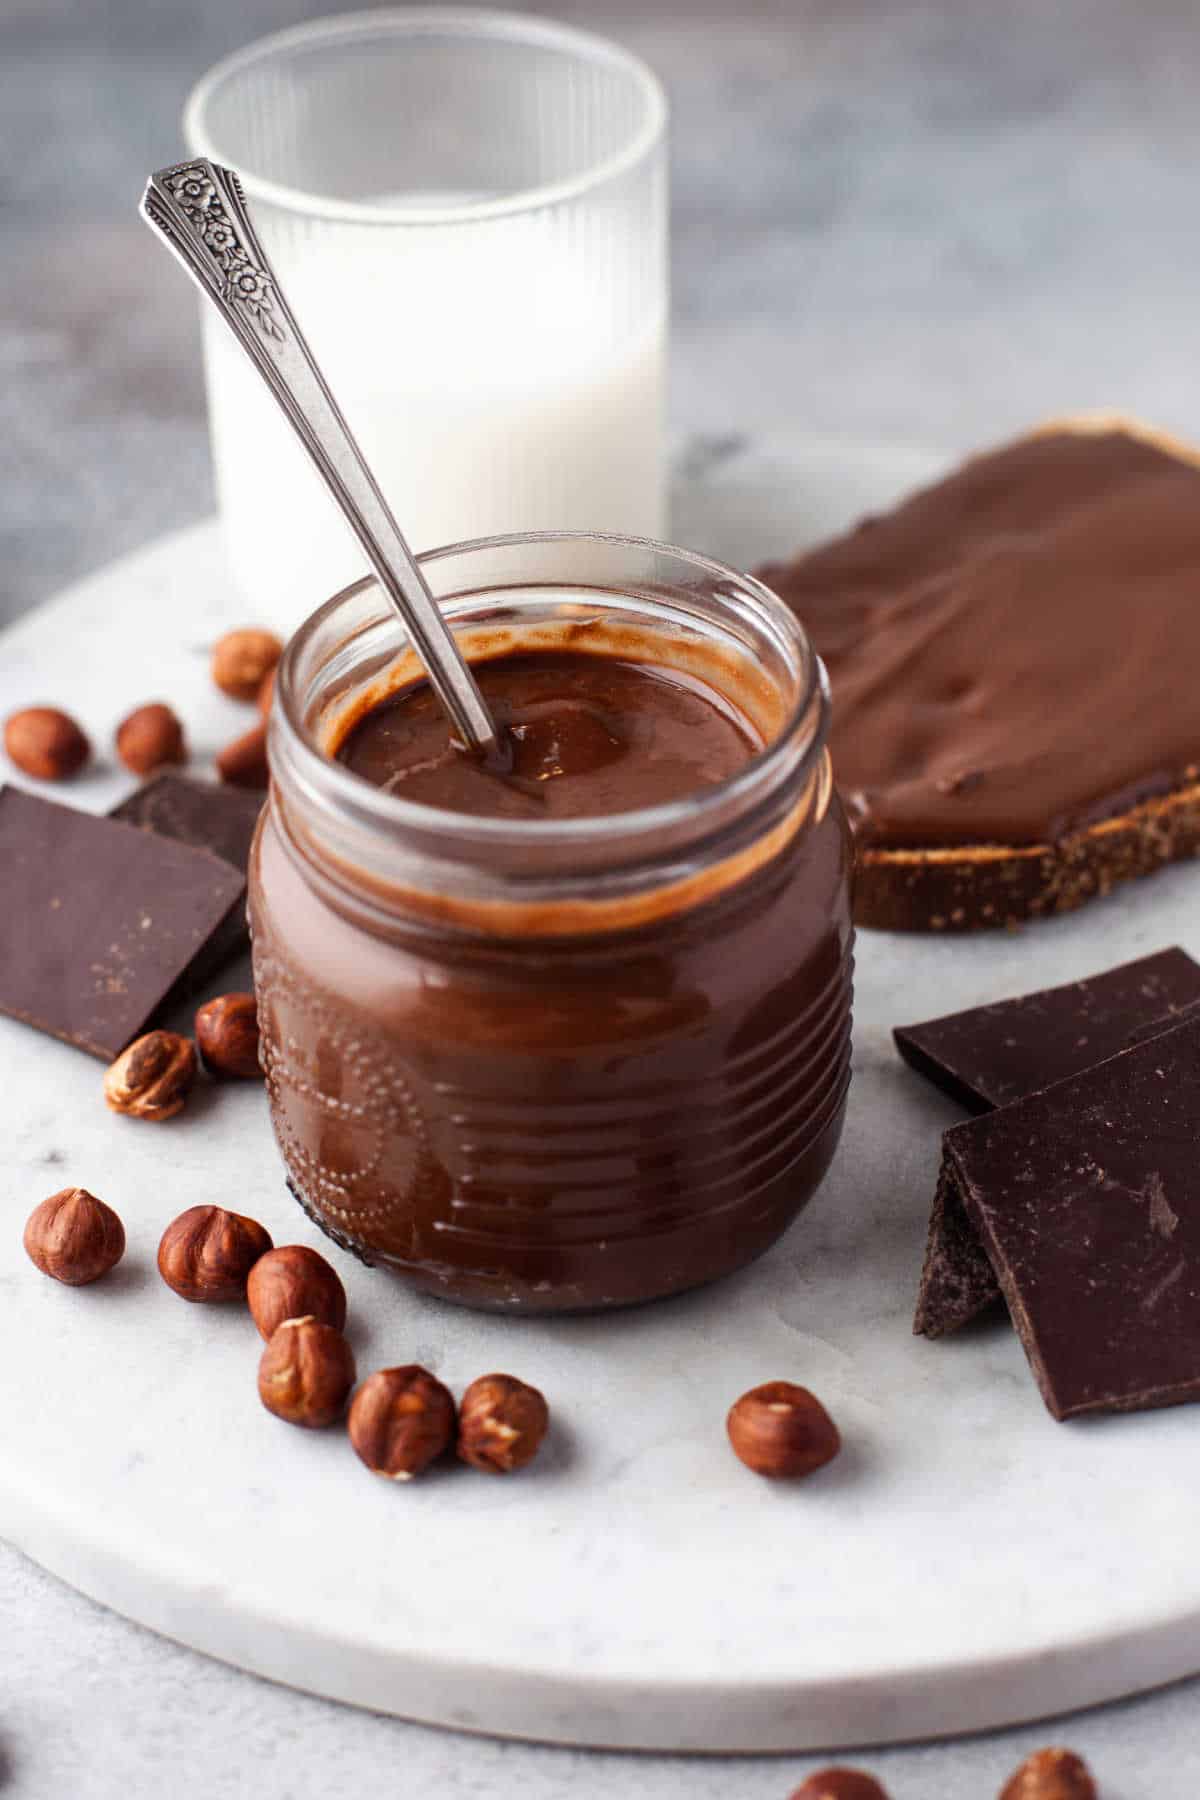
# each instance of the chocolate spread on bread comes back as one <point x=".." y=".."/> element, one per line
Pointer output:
<point x="1013" y="651"/>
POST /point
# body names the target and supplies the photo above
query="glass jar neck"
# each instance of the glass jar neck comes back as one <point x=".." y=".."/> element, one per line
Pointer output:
<point x="607" y="596"/>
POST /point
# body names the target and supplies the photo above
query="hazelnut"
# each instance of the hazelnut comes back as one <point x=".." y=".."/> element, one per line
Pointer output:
<point x="244" y="762"/>
<point x="779" y="1429"/>
<point x="150" y="737"/>
<point x="74" y="1237"/>
<point x="207" y="1253"/>
<point x="266" y="692"/>
<point x="306" y="1372"/>
<point x="1050" y="1775"/>
<point x="227" y="1036"/>
<point x="294" y="1282"/>
<point x="44" y="742"/>
<point x="242" y="660"/>
<point x="501" y="1424"/>
<point x="400" y="1420"/>
<point x="840" y="1784"/>
<point x="152" y="1079"/>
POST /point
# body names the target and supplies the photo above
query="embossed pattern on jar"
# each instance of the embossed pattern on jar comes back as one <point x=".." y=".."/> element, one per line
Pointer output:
<point x="670" y="1140"/>
<point x="545" y="1104"/>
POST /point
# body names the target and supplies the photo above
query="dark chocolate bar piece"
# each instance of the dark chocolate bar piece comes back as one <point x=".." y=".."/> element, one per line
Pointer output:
<point x="1144" y="1033"/>
<point x="220" y="819"/>
<point x="992" y="1055"/>
<point x="209" y="817"/>
<point x="957" y="1280"/>
<point x="100" y="924"/>
<point x="1086" y="1198"/>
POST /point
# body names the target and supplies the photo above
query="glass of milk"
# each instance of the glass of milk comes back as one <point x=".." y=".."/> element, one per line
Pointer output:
<point x="468" y="212"/>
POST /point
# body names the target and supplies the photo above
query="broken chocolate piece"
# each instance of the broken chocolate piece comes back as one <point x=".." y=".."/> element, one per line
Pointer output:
<point x="1145" y="1032"/>
<point x="992" y="1055"/>
<point x="957" y="1280"/>
<point x="199" y="813"/>
<point x="101" y="924"/>
<point x="220" y="819"/>
<point x="1086" y="1199"/>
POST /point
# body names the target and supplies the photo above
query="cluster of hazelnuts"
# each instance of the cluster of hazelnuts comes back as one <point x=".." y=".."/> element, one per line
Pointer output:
<point x="154" y="1076"/>
<point x="50" y="745"/>
<point x="400" y="1419"/>
<point x="1046" y="1775"/>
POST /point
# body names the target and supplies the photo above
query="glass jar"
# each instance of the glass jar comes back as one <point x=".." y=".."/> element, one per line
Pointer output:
<point x="556" y="1064"/>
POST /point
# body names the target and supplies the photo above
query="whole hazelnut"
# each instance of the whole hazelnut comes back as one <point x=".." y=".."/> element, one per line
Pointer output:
<point x="150" y="737"/>
<point x="400" y="1420"/>
<point x="74" y="1237"/>
<point x="207" y="1253"/>
<point x="46" y="743"/>
<point x="244" y="762"/>
<point x="294" y="1282"/>
<point x="840" y="1784"/>
<point x="227" y="1036"/>
<point x="1050" y="1775"/>
<point x="266" y="692"/>
<point x="152" y="1079"/>
<point x="306" y="1372"/>
<point x="779" y="1429"/>
<point x="501" y="1424"/>
<point x="242" y="659"/>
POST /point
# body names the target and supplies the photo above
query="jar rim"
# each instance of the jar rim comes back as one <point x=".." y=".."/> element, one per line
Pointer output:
<point x="412" y="22"/>
<point x="389" y="812"/>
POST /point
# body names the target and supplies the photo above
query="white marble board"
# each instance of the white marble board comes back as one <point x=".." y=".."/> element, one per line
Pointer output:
<point x="966" y="1562"/>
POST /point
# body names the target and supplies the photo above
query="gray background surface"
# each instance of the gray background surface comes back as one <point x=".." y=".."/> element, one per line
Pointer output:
<point x="891" y="221"/>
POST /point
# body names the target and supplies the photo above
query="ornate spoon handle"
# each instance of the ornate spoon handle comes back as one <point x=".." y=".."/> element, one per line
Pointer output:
<point x="199" y="210"/>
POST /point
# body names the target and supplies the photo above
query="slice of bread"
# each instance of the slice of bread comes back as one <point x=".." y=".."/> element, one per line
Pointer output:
<point x="946" y="886"/>
<point x="977" y="885"/>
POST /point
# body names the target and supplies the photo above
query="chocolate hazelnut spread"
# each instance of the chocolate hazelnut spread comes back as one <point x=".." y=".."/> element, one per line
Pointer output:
<point x="570" y="1062"/>
<point x="1013" y="651"/>
<point x="581" y="736"/>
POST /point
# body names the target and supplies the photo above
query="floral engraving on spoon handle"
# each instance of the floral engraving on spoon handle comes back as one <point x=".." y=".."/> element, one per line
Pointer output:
<point x="200" y="201"/>
<point x="199" y="211"/>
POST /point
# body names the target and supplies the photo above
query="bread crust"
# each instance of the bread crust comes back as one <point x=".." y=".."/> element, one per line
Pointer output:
<point x="972" y="887"/>
<point x="979" y="885"/>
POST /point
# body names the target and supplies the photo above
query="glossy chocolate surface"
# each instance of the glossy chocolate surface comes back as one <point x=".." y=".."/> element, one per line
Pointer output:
<point x="581" y="736"/>
<point x="1013" y="650"/>
<point x="543" y="1120"/>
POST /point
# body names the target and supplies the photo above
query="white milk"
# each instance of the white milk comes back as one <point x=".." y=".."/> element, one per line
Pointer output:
<point x="489" y="393"/>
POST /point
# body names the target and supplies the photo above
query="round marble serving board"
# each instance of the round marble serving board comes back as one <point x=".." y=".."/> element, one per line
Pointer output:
<point x="965" y="1562"/>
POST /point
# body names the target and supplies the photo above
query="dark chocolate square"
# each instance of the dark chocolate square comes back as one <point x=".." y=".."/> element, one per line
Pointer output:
<point x="100" y="923"/>
<point x="993" y="1055"/>
<point x="221" y="819"/>
<point x="1086" y="1198"/>
<point x="209" y="817"/>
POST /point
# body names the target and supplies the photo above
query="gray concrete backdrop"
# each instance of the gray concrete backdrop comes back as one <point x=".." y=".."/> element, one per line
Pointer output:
<point x="898" y="219"/>
<point x="894" y="219"/>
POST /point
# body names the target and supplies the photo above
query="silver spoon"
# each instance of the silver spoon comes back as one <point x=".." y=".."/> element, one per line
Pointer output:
<point x="199" y="209"/>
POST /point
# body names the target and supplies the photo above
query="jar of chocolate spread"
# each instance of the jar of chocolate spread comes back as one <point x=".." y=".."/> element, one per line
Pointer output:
<point x="572" y="1030"/>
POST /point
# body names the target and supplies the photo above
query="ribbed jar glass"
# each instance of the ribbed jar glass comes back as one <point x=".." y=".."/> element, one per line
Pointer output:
<point x="556" y="1064"/>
